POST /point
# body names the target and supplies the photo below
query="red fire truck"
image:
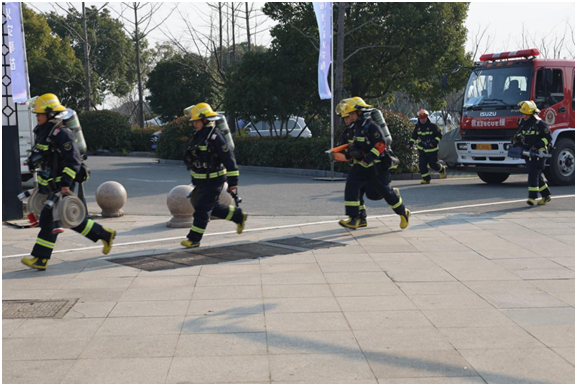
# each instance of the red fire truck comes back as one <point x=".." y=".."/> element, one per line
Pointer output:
<point x="490" y="112"/>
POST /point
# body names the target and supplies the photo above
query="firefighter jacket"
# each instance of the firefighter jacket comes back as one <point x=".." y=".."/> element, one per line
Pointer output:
<point x="61" y="159"/>
<point x="532" y="133"/>
<point x="427" y="137"/>
<point x="209" y="158"/>
<point x="368" y="146"/>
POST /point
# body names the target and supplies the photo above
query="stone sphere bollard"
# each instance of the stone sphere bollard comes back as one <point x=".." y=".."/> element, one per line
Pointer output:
<point x="111" y="197"/>
<point x="180" y="207"/>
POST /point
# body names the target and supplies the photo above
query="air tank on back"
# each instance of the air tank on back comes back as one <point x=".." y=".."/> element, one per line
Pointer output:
<point x="377" y="116"/>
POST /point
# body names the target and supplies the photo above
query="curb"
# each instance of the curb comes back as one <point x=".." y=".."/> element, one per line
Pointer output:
<point x="119" y="154"/>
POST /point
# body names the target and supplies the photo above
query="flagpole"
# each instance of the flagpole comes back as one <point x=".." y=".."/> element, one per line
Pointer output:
<point x="332" y="94"/>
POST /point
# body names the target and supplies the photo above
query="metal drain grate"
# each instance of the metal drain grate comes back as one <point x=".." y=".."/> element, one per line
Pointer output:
<point x="28" y="309"/>
<point x="195" y="257"/>
<point x="301" y="242"/>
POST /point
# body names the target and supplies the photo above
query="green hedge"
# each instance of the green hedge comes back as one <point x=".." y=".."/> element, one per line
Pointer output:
<point x="106" y="130"/>
<point x="140" y="137"/>
<point x="288" y="152"/>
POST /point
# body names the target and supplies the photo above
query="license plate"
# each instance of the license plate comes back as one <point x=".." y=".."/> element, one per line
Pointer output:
<point x="484" y="146"/>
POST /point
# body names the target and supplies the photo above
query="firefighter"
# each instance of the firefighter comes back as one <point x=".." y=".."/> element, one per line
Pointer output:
<point x="367" y="151"/>
<point x="428" y="136"/>
<point x="211" y="163"/>
<point x="60" y="163"/>
<point x="533" y="134"/>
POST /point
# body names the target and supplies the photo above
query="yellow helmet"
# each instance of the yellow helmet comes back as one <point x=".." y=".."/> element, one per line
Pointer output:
<point x="422" y="113"/>
<point x="201" y="111"/>
<point x="340" y="107"/>
<point x="528" y="107"/>
<point x="354" y="104"/>
<point x="47" y="103"/>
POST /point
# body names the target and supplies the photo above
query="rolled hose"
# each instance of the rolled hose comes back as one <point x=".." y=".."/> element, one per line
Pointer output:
<point x="71" y="211"/>
<point x="36" y="202"/>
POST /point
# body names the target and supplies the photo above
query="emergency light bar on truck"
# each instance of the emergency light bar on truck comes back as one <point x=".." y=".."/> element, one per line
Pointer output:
<point x="510" y="55"/>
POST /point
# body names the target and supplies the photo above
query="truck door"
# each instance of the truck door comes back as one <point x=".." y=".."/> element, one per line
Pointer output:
<point x="550" y="96"/>
<point x="572" y="115"/>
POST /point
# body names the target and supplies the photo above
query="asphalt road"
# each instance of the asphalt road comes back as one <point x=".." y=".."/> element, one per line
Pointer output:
<point x="148" y="183"/>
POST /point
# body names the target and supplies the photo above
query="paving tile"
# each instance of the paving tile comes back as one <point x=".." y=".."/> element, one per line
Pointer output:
<point x="399" y="256"/>
<point x="130" y="346"/>
<point x="361" y="289"/>
<point x="10" y="325"/>
<point x="419" y="363"/>
<point x="224" y="369"/>
<point x="293" y="278"/>
<point x="228" y="292"/>
<point x="149" y="325"/>
<point x="526" y="365"/>
<point x="523" y="300"/>
<point x="27" y="294"/>
<point x="544" y="273"/>
<point x="225" y="306"/>
<point x="384" y="320"/>
<point x="419" y="338"/>
<point x="529" y="263"/>
<point x="267" y="268"/>
<point x="449" y="301"/>
<point x="350" y="267"/>
<point x="296" y="291"/>
<point x="169" y="293"/>
<point x="35" y="283"/>
<point x="90" y="295"/>
<point x="419" y="275"/>
<point x="28" y="349"/>
<point x="357" y="277"/>
<point x="306" y="321"/>
<point x="45" y="371"/>
<point x="460" y="255"/>
<point x="150" y="308"/>
<point x="376" y="303"/>
<point x="90" y="310"/>
<point x="203" y="345"/>
<point x="69" y="328"/>
<point x="317" y="368"/>
<point x="434" y="380"/>
<point x="344" y="258"/>
<point x="315" y="342"/>
<point x="119" y="370"/>
<point x="435" y="288"/>
<point x="275" y="305"/>
<point x="467" y="318"/>
<point x="229" y="323"/>
<point x="230" y="269"/>
<point x="568" y="353"/>
<point x="161" y="282"/>
<point x="102" y="282"/>
<point x="541" y="316"/>
<point x="489" y="337"/>
<point x="219" y="280"/>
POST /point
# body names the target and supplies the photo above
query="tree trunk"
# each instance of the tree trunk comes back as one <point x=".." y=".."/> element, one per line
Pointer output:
<point x="86" y="60"/>
<point x="247" y="25"/>
<point x="140" y="109"/>
<point x="233" y="40"/>
<point x="221" y="53"/>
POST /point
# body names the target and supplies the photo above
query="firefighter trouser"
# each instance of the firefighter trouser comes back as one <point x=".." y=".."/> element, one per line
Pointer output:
<point x="206" y="205"/>
<point x="426" y="161"/>
<point x="536" y="181"/>
<point x="376" y="185"/>
<point x="46" y="239"/>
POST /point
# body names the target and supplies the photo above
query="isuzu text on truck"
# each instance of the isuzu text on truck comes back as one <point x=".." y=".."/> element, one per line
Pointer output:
<point x="490" y="113"/>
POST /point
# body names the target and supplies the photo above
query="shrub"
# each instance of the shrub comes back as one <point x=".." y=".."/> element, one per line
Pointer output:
<point x="106" y="130"/>
<point x="172" y="143"/>
<point x="141" y="137"/>
<point x="401" y="130"/>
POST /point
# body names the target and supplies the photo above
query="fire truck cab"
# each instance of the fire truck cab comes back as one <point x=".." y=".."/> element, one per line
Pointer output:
<point x="490" y="113"/>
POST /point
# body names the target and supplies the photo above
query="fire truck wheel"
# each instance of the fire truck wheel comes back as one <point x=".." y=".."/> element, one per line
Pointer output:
<point x="493" y="178"/>
<point x="561" y="170"/>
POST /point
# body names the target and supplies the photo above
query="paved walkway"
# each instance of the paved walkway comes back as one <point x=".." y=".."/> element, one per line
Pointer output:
<point x="455" y="298"/>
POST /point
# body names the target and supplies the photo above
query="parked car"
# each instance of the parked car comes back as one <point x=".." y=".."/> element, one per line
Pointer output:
<point x="296" y="124"/>
<point x="414" y="120"/>
<point x="437" y="118"/>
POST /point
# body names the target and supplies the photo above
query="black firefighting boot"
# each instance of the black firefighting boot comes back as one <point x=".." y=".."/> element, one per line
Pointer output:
<point x="544" y="200"/>
<point x="107" y="240"/>
<point x="350" y="223"/>
<point x="405" y="219"/>
<point x="363" y="218"/>
<point x="40" y="263"/>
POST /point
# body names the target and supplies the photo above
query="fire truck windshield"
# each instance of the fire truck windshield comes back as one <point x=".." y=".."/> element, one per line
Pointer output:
<point x="499" y="87"/>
